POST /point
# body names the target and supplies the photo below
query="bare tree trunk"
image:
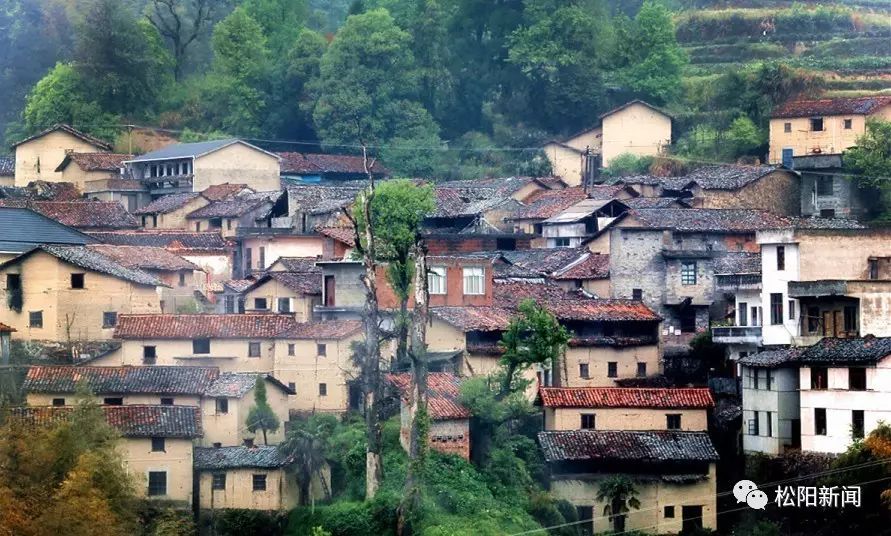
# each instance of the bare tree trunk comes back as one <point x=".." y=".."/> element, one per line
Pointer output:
<point x="420" y="423"/>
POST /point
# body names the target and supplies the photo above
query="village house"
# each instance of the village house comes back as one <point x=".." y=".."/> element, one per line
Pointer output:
<point x="131" y="194"/>
<point x="260" y="248"/>
<point x="82" y="168"/>
<point x="294" y="293"/>
<point x="821" y="126"/>
<point x="38" y="157"/>
<point x="73" y="294"/>
<point x="770" y="401"/>
<point x="334" y="169"/>
<point x="243" y="210"/>
<point x="844" y="391"/>
<point x="568" y="268"/>
<point x="738" y="279"/>
<point x="571" y="227"/>
<point x="23" y="229"/>
<point x="623" y="408"/>
<point x="227" y="401"/>
<point x="636" y="128"/>
<point x="449" y="430"/>
<point x="83" y="215"/>
<point x="673" y="472"/>
<point x="542" y="205"/>
<point x="192" y="167"/>
<point x="169" y="211"/>
<point x="156" y="444"/>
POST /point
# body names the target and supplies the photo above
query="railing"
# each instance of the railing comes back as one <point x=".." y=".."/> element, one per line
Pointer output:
<point x="736" y="334"/>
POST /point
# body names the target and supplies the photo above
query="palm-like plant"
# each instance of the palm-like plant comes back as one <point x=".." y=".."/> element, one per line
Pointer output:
<point x="620" y="496"/>
<point x="305" y="447"/>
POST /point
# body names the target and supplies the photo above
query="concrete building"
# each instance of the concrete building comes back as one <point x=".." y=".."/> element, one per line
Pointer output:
<point x="738" y="278"/>
<point x="39" y="156"/>
<point x="770" y="401"/>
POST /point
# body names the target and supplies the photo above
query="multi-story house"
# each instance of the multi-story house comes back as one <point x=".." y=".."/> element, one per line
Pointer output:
<point x="192" y="167"/>
<point x="738" y="278"/>
<point x="38" y="157"/>
<point x="294" y="293"/>
<point x="240" y="211"/>
<point x="771" y="416"/>
<point x="169" y="211"/>
<point x="570" y="228"/>
<point x="73" y="294"/>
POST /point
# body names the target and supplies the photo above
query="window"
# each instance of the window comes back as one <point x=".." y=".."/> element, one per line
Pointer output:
<point x="781" y="258"/>
<point x="817" y="124"/>
<point x="873" y="266"/>
<point x="857" y="424"/>
<point x="828" y="213"/>
<point x="182" y="279"/>
<point x="261" y="262"/>
<point x="505" y="244"/>
<point x="776" y="309"/>
<point x="113" y="401"/>
<point x="825" y="185"/>
<point x="668" y="512"/>
<point x="166" y="401"/>
<point x="292" y="386"/>
<point x="641" y="370"/>
<point x="756" y="378"/>
<point x="813" y="319"/>
<point x="248" y="442"/>
<point x="158" y="444"/>
<point x="259" y="482"/>
<point x="322" y="349"/>
<point x="848" y="124"/>
<point x="149" y="355"/>
<point x="13" y="281"/>
<point x="473" y="281"/>
<point x="768" y="378"/>
<point x="612" y="369"/>
<point x="436" y="280"/>
<point x="819" y="378"/>
<point x="323" y="389"/>
<point x="561" y="242"/>
<point x="754" y="428"/>
<point x="856" y="379"/>
<point x="58" y="402"/>
<point x="253" y="349"/>
<point x="247" y="260"/>
<point x="755" y="315"/>
<point x="791" y="305"/>
<point x="284" y="305"/>
<point x="820" y="421"/>
<point x="222" y="406"/>
<point x="35" y="319"/>
<point x="201" y="346"/>
<point x="219" y="481"/>
<point x="637" y="294"/>
<point x="109" y="319"/>
<point x="673" y="421"/>
<point x="850" y="318"/>
<point x="230" y="304"/>
<point x="291" y="348"/>
<point x="157" y="483"/>
<point x="260" y="304"/>
<point x="768" y="420"/>
<point x="688" y="272"/>
<point x="742" y="314"/>
<point x="584" y="373"/>
<point x="77" y="280"/>
<point x="588" y="421"/>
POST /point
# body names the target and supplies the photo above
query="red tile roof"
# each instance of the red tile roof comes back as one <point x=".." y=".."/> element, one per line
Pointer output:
<point x="443" y="394"/>
<point x="80" y="214"/>
<point x="594" y="266"/>
<point x="330" y="329"/>
<point x="190" y="326"/>
<point x="146" y="258"/>
<point x="318" y="164"/>
<point x="621" y="397"/>
<point x="474" y="318"/>
<point x="309" y="284"/>
<point x="546" y="203"/>
<point x="606" y="310"/>
<point x="837" y="106"/>
<point x="95" y="161"/>
<point x="6" y="329"/>
<point x="167" y="203"/>
<point x="210" y="241"/>
<point x="216" y="192"/>
<point x="131" y="421"/>
<point x="345" y="235"/>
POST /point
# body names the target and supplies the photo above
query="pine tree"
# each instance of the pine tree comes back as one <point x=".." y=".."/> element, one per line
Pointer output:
<point x="261" y="417"/>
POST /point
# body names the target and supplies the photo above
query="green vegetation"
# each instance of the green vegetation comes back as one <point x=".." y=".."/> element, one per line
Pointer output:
<point x="260" y="416"/>
<point x="871" y="161"/>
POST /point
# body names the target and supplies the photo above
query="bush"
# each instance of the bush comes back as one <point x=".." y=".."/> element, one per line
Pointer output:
<point x="236" y="522"/>
<point x="628" y="164"/>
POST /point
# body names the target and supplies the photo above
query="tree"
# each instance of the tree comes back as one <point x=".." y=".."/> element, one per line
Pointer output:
<point x="620" y="496"/>
<point x="291" y="103"/>
<point x="743" y="137"/>
<point x="871" y="160"/>
<point x="181" y="22"/>
<point x="281" y="20"/>
<point x="534" y="337"/>
<point x="261" y="417"/>
<point x="306" y="445"/>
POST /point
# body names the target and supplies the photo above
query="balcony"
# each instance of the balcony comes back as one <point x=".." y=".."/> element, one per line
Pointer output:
<point x="737" y="334"/>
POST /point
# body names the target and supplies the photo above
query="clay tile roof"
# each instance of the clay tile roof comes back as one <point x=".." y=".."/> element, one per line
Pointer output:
<point x="313" y="199"/>
<point x="260" y="457"/>
<point x="190" y="326"/>
<point x="738" y="262"/>
<point x="328" y="329"/>
<point x="144" y="257"/>
<point x="771" y="357"/>
<point x="825" y="223"/>
<point x="96" y="142"/>
<point x="305" y="265"/>
<point x="215" y="192"/>
<point x="709" y="220"/>
<point x="546" y="203"/>
<point x="545" y="260"/>
<point x="317" y="164"/>
<point x="239" y="285"/>
<point x="511" y="293"/>
<point x="443" y="394"/>
<point x="615" y="445"/>
<point x="309" y="284"/>
<point x="859" y="350"/>
<point x="121" y="380"/>
<point x="653" y="202"/>
<point x="594" y="266"/>
<point x="131" y="421"/>
<point x="238" y="384"/>
<point x="474" y="318"/>
<point x="123" y="184"/>
<point x="232" y="207"/>
<point x="95" y="161"/>
<point x="167" y="203"/>
<point x="602" y="310"/>
<point x="632" y="102"/>
<point x="80" y="214"/>
<point x="622" y="397"/>
<point x="836" y="106"/>
<point x="726" y="176"/>
<point x="174" y="240"/>
<point x="501" y="187"/>
<point x="7" y="166"/>
<point x="91" y="260"/>
<point x="344" y="235"/>
<point x="6" y="329"/>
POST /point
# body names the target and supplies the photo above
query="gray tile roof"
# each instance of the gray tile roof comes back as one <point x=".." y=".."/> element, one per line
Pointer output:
<point x="172" y="380"/>
<point x="185" y="150"/>
<point x="7" y="166"/>
<point x="861" y="350"/>
<point x="232" y="384"/>
<point x="728" y="176"/>
<point x="236" y="206"/>
<point x="174" y="240"/>
<point x="88" y="259"/>
<point x="611" y="446"/>
<point x="543" y="260"/>
<point x="21" y="229"/>
<point x="167" y="203"/>
<point x="738" y="262"/>
<point x="771" y="357"/>
<point x="260" y="457"/>
<point x="709" y="220"/>
<point x="313" y="199"/>
<point x="181" y="422"/>
<point x="825" y="223"/>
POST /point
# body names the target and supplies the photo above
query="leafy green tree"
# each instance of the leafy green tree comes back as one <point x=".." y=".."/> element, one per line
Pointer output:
<point x="628" y="164"/>
<point x="533" y="337"/>
<point x="649" y="59"/>
<point x="281" y="20"/>
<point x="307" y="444"/>
<point x="743" y="137"/>
<point x="260" y="416"/>
<point x="291" y="102"/>
<point x="871" y="160"/>
<point x="620" y="496"/>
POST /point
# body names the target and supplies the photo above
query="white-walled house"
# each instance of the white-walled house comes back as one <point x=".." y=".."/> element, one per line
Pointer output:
<point x="779" y="266"/>
<point x="845" y="391"/>
<point x="770" y="401"/>
<point x="738" y="274"/>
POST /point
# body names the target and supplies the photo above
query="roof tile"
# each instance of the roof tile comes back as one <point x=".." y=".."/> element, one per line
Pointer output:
<point x="443" y="394"/>
<point x="612" y="446"/>
<point x="622" y="397"/>
<point x="121" y="380"/>
<point x="190" y="326"/>
<point x="80" y="214"/>
<point x="260" y="457"/>
<point x="131" y="421"/>
<point x="836" y="106"/>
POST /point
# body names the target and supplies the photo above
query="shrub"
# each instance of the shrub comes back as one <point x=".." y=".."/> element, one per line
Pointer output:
<point x="236" y="522"/>
<point x="628" y="164"/>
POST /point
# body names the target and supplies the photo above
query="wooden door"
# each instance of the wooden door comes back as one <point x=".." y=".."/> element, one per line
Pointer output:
<point x="329" y="291"/>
